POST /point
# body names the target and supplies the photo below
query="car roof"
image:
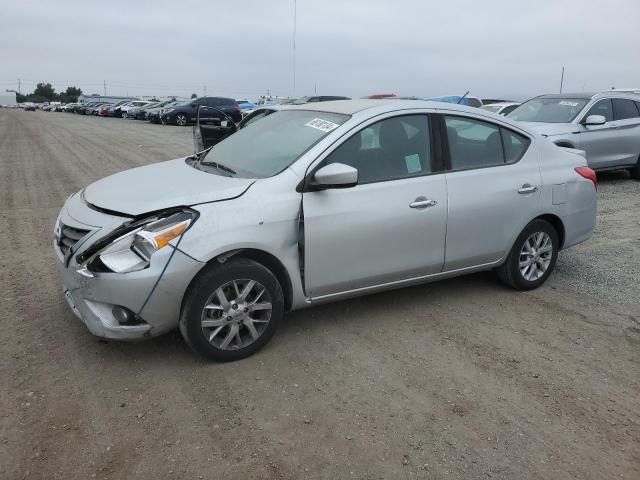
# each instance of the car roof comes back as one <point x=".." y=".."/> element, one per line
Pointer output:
<point x="583" y="95"/>
<point x="590" y="95"/>
<point x="350" y="107"/>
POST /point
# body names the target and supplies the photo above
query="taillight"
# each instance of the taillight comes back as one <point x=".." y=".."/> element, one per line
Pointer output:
<point x="237" y="109"/>
<point x="589" y="174"/>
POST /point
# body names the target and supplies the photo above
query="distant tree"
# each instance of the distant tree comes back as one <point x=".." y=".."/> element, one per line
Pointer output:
<point x="44" y="91"/>
<point x="71" y="94"/>
<point x="193" y="95"/>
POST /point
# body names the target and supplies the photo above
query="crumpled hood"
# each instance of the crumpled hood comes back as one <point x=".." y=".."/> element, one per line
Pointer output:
<point x="162" y="185"/>
<point x="551" y="129"/>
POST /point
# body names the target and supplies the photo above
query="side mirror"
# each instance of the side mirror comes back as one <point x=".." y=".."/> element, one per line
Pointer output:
<point x="335" y="175"/>
<point x="594" y="120"/>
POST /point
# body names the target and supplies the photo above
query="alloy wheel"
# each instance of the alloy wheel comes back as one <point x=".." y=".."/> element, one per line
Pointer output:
<point x="236" y="314"/>
<point x="535" y="256"/>
<point x="181" y="120"/>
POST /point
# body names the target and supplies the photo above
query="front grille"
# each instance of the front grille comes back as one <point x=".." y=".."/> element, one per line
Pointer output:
<point x="69" y="236"/>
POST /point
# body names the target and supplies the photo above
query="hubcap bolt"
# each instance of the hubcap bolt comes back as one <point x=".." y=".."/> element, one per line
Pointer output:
<point x="246" y="309"/>
<point x="234" y="306"/>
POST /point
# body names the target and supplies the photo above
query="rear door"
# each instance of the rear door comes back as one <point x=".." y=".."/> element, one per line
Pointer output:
<point x="626" y="118"/>
<point x="388" y="228"/>
<point x="493" y="185"/>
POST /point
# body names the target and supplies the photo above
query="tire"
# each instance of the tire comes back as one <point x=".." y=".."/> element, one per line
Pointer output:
<point x="228" y="327"/>
<point x="510" y="272"/>
<point x="182" y="119"/>
<point x="635" y="171"/>
<point x="123" y="115"/>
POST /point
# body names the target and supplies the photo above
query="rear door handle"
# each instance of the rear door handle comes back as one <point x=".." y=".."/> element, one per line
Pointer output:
<point x="422" y="202"/>
<point x="526" y="188"/>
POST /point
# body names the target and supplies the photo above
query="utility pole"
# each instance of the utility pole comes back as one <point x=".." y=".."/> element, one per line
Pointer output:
<point x="19" y="84"/>
<point x="295" y="15"/>
<point x="561" y="79"/>
<point x="104" y="84"/>
<point x="204" y="89"/>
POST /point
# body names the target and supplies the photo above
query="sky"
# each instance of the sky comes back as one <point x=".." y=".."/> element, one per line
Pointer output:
<point x="511" y="49"/>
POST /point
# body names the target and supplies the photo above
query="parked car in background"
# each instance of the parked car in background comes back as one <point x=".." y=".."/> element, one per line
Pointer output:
<point x="304" y="206"/>
<point x="95" y="109"/>
<point x="605" y="125"/>
<point x="245" y="105"/>
<point x="502" y="108"/>
<point x="138" y="113"/>
<point x="187" y="112"/>
<point x="83" y="107"/>
<point x="206" y="135"/>
<point x="153" y="114"/>
<point x="114" y="110"/>
<point x="316" y="98"/>
<point x="125" y="109"/>
<point x="69" y="107"/>
<point x="467" y="100"/>
<point x="380" y="96"/>
<point x="29" y="107"/>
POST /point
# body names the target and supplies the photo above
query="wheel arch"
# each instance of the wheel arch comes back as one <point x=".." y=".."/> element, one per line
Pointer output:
<point x="557" y="224"/>
<point x="267" y="260"/>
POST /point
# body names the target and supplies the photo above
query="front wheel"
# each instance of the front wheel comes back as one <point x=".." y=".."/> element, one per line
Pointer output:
<point x="635" y="171"/>
<point x="532" y="257"/>
<point x="231" y="310"/>
<point x="181" y="119"/>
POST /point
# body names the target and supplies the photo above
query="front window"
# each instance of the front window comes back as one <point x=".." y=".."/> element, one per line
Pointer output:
<point x="549" y="110"/>
<point x="267" y="147"/>
<point x="391" y="149"/>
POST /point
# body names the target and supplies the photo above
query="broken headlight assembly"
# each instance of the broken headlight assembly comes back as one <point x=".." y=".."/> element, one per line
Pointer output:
<point x="130" y="248"/>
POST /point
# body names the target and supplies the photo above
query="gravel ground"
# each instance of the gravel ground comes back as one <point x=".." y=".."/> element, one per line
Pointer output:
<point x="458" y="379"/>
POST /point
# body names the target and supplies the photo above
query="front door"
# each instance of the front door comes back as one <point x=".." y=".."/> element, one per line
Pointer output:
<point x="389" y="227"/>
<point x="600" y="141"/>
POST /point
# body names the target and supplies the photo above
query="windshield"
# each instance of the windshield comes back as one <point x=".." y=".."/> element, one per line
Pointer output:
<point x="267" y="147"/>
<point x="549" y="110"/>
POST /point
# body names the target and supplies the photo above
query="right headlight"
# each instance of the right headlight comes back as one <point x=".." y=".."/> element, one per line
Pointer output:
<point x="132" y="251"/>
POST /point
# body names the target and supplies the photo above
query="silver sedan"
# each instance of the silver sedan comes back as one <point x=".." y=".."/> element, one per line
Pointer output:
<point x="312" y="204"/>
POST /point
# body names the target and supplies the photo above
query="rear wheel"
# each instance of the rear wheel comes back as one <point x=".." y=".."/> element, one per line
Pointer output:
<point x="231" y="310"/>
<point x="532" y="257"/>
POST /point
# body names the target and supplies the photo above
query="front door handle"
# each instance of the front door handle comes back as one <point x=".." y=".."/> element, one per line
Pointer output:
<point x="422" y="202"/>
<point x="526" y="188"/>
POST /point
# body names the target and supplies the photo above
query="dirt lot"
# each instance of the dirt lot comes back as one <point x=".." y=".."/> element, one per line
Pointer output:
<point x="459" y="379"/>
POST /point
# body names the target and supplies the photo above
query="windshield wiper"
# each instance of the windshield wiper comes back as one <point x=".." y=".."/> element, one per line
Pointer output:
<point x="198" y="159"/>
<point x="219" y="166"/>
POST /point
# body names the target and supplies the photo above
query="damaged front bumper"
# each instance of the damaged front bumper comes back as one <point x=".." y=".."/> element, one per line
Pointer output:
<point x="153" y="296"/>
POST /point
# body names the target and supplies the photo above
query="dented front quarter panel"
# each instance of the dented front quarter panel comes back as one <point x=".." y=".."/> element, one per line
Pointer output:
<point x="265" y="218"/>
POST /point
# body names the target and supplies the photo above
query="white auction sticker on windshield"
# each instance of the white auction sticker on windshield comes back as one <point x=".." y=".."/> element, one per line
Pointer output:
<point x="569" y="104"/>
<point x="320" y="124"/>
